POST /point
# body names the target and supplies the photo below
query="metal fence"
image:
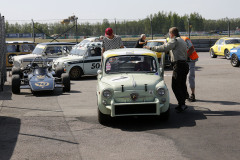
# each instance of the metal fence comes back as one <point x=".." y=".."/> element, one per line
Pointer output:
<point x="3" y="71"/>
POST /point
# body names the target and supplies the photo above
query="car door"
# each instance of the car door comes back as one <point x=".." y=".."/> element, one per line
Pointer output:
<point x="92" y="60"/>
<point x="220" y="50"/>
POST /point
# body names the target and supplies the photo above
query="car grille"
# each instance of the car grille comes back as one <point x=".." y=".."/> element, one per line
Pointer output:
<point x="135" y="109"/>
<point x="126" y="98"/>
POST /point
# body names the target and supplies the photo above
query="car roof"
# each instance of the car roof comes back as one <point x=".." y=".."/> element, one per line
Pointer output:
<point x="89" y="44"/>
<point x="227" y="38"/>
<point x="128" y="51"/>
<point x="57" y="43"/>
<point x="158" y="40"/>
<point x="16" y="42"/>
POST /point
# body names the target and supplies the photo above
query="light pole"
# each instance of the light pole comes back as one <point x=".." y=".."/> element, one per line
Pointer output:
<point x="151" y="27"/>
<point x="189" y="28"/>
<point x="33" y="30"/>
<point x="76" y="18"/>
<point x="228" y="27"/>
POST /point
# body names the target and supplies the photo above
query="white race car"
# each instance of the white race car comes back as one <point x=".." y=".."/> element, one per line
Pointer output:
<point x="82" y="60"/>
<point x="51" y="50"/>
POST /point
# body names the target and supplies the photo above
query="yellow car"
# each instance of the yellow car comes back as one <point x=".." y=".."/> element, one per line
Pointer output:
<point x="156" y="42"/>
<point x="223" y="46"/>
<point x="15" y="48"/>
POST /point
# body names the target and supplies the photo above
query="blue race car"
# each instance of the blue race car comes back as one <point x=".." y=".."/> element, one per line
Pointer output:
<point x="235" y="56"/>
<point x="38" y="76"/>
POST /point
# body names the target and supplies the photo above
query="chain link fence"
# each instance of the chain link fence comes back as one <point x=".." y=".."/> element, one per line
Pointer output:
<point x="3" y="71"/>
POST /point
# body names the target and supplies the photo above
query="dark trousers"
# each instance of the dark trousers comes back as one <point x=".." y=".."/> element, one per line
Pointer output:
<point x="179" y="77"/>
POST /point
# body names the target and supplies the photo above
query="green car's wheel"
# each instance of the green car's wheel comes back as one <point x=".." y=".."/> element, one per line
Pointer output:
<point x="75" y="73"/>
<point x="16" y="82"/>
<point x="212" y="54"/>
<point x="235" y="61"/>
<point x="227" y="54"/>
<point x="103" y="118"/>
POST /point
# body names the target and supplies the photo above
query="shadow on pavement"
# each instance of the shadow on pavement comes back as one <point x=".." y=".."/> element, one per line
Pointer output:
<point x="177" y="120"/>
<point x="220" y="102"/>
<point x="55" y="93"/>
<point x="9" y="131"/>
<point x="6" y="94"/>
<point x="86" y="78"/>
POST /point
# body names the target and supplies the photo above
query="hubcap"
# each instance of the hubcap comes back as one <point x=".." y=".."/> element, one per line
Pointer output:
<point x="234" y="60"/>
<point x="75" y="73"/>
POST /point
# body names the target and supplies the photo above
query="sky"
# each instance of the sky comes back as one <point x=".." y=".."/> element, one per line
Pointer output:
<point x="93" y="10"/>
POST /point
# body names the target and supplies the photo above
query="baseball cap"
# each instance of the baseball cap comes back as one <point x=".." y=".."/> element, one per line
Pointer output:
<point x="108" y="32"/>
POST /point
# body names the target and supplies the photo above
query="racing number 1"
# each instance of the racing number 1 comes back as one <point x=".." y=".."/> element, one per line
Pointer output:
<point x="95" y="65"/>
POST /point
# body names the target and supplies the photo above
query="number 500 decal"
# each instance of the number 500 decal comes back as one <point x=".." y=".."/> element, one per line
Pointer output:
<point x="95" y="65"/>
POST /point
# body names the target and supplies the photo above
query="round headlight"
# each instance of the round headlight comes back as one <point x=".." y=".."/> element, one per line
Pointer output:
<point x="107" y="93"/>
<point x="161" y="91"/>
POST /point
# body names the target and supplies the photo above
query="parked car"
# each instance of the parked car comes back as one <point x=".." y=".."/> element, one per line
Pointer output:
<point x="131" y="83"/>
<point x="49" y="50"/>
<point x="223" y="46"/>
<point x="82" y="60"/>
<point x="235" y="56"/>
<point x="38" y="76"/>
<point x="16" y="48"/>
<point x="158" y="42"/>
<point x="87" y="40"/>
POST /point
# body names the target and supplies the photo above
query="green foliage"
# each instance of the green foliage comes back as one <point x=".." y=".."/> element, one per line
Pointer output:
<point x="161" y="22"/>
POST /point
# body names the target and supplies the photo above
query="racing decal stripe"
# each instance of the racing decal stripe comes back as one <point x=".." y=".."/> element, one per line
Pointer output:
<point x="86" y="61"/>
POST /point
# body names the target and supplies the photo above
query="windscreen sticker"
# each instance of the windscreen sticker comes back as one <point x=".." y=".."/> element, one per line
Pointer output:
<point x="108" y="67"/>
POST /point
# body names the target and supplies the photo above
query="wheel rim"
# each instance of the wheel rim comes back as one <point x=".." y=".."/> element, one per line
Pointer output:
<point x="75" y="73"/>
<point x="211" y="53"/>
<point x="227" y="54"/>
<point x="234" y="60"/>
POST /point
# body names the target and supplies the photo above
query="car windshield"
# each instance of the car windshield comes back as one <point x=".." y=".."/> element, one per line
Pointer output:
<point x="82" y="43"/>
<point x="78" y="50"/>
<point x="39" y="49"/>
<point x="232" y="41"/>
<point x="130" y="63"/>
<point x="152" y="44"/>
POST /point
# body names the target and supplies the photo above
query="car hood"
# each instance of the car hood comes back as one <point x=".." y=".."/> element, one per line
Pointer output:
<point x="26" y="56"/>
<point x="132" y="81"/>
<point x="235" y="49"/>
<point x="68" y="58"/>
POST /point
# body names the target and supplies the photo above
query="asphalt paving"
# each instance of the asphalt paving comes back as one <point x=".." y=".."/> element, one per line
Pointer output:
<point x="64" y="126"/>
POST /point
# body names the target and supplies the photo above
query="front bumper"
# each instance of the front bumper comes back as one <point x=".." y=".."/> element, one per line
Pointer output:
<point x="136" y="108"/>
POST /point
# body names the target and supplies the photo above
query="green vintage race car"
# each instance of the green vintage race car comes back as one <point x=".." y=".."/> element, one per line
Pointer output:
<point x="131" y="83"/>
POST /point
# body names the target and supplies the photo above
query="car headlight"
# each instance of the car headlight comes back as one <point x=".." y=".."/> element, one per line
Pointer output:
<point x="107" y="93"/>
<point x="161" y="91"/>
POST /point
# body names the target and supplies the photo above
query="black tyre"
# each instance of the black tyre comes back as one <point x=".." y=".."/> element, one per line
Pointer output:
<point x="16" y="71"/>
<point x="212" y="54"/>
<point x="235" y="61"/>
<point x="59" y="71"/>
<point x="165" y="116"/>
<point x="227" y="54"/>
<point x="16" y="82"/>
<point x="76" y="73"/>
<point x="103" y="118"/>
<point x="66" y="82"/>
